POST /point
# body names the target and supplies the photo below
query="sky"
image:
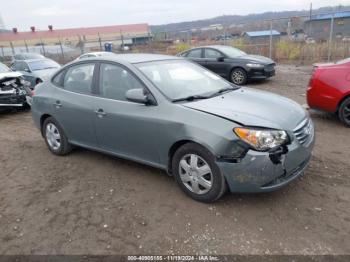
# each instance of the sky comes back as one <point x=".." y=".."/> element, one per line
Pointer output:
<point x="83" y="13"/>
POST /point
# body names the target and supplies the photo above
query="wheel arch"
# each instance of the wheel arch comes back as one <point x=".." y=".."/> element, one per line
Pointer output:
<point x="236" y="67"/>
<point x="42" y="120"/>
<point x="342" y="100"/>
<point x="179" y="144"/>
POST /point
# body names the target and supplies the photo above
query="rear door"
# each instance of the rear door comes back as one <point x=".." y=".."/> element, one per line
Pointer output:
<point x="73" y="103"/>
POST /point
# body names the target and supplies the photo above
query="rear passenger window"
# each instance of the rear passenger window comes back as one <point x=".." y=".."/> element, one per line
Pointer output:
<point x="78" y="78"/>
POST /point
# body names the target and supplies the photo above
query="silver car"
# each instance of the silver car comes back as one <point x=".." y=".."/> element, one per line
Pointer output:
<point x="175" y="115"/>
<point x="35" y="71"/>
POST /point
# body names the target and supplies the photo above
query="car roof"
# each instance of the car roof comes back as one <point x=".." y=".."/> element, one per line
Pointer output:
<point x="138" y="58"/>
<point x="97" y="53"/>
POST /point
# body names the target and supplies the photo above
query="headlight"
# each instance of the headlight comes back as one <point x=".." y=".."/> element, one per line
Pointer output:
<point x="261" y="139"/>
<point x="252" y="65"/>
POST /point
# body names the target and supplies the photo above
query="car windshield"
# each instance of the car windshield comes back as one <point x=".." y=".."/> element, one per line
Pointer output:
<point x="231" y="51"/>
<point x="42" y="64"/>
<point x="4" y="68"/>
<point x="178" y="80"/>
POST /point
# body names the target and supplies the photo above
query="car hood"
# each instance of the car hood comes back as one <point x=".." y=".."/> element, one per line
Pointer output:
<point x="250" y="107"/>
<point x="45" y="73"/>
<point x="257" y="59"/>
<point x="9" y="75"/>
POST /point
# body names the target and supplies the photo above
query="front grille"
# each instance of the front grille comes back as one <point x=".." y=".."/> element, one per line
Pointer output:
<point x="304" y="132"/>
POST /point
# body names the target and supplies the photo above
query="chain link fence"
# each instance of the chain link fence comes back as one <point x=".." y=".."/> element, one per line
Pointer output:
<point x="297" y="39"/>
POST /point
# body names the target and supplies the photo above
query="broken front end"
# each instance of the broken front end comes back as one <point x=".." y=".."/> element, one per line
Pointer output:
<point x="13" y="90"/>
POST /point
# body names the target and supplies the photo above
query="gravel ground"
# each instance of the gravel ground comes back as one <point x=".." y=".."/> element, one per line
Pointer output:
<point x="89" y="203"/>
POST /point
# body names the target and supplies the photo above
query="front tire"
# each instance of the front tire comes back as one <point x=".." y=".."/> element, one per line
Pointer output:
<point x="239" y="76"/>
<point x="55" y="138"/>
<point x="344" y="112"/>
<point x="197" y="174"/>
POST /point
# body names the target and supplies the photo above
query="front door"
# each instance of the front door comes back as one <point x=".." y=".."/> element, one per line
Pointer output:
<point x="122" y="127"/>
<point x="215" y="61"/>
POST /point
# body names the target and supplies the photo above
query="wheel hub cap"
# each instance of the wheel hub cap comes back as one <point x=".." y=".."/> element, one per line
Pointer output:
<point x="237" y="77"/>
<point x="53" y="136"/>
<point x="195" y="174"/>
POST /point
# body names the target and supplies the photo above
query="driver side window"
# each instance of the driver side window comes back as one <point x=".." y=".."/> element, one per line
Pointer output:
<point x="115" y="81"/>
<point x="211" y="53"/>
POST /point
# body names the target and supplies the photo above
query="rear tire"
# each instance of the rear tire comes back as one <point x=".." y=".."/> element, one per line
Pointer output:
<point x="197" y="174"/>
<point x="239" y="76"/>
<point x="344" y="112"/>
<point x="55" y="138"/>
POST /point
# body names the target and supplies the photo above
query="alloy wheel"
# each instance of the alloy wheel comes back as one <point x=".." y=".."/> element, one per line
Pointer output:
<point x="53" y="136"/>
<point x="195" y="174"/>
<point x="238" y="77"/>
<point x="346" y="113"/>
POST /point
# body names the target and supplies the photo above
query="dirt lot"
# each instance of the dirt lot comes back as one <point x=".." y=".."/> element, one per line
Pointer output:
<point x="89" y="203"/>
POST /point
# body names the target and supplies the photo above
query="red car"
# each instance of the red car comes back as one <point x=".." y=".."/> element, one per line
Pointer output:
<point x="329" y="89"/>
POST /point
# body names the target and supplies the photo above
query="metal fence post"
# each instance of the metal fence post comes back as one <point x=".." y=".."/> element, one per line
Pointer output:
<point x="42" y="46"/>
<point x="62" y="53"/>
<point x="122" y="38"/>
<point x="12" y="48"/>
<point x="224" y="35"/>
<point x="270" y="50"/>
<point x="99" y="40"/>
<point x="2" y="52"/>
<point x="330" y="39"/>
<point x="25" y="43"/>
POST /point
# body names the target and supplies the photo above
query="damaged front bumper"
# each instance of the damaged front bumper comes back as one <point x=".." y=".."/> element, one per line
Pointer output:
<point x="260" y="172"/>
<point x="13" y="90"/>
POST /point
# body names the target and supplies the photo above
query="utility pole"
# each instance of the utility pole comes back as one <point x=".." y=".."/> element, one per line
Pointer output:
<point x="310" y="10"/>
<point x="270" y="51"/>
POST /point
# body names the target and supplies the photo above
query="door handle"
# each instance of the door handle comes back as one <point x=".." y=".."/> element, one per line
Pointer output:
<point x="58" y="104"/>
<point x="100" y="113"/>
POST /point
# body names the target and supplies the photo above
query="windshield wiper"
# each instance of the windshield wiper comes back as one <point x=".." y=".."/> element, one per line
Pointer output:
<point x="191" y="98"/>
<point x="222" y="90"/>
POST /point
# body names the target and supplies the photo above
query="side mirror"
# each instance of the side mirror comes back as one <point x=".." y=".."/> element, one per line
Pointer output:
<point x="137" y="96"/>
<point x="221" y="59"/>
